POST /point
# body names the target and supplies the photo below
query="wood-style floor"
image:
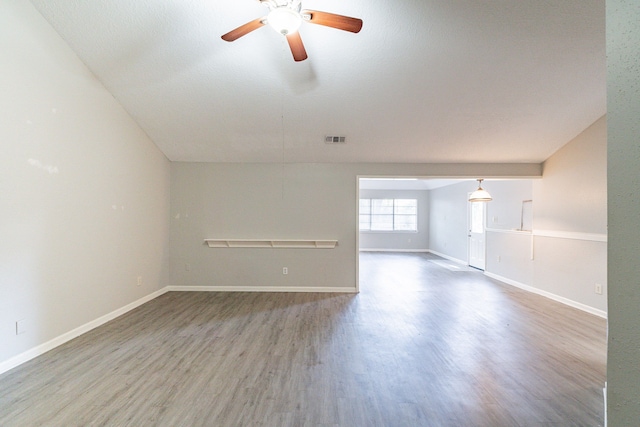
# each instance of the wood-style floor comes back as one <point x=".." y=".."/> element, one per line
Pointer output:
<point x="419" y="346"/>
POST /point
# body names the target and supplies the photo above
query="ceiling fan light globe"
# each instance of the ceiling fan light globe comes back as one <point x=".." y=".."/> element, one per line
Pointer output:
<point x="284" y="20"/>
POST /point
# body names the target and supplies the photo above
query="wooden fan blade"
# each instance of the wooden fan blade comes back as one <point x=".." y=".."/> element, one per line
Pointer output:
<point x="297" y="48"/>
<point x="332" y="20"/>
<point x="243" y="30"/>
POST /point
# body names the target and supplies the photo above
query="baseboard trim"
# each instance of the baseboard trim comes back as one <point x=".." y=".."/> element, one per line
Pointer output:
<point x="394" y="250"/>
<point x="558" y="298"/>
<point x="260" y="289"/>
<point x="68" y="336"/>
<point x="450" y="258"/>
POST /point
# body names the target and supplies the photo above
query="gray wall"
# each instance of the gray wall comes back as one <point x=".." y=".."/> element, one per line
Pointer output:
<point x="570" y="204"/>
<point x="509" y="250"/>
<point x="282" y="201"/>
<point x="448" y="223"/>
<point x="565" y="256"/>
<point x="262" y="201"/>
<point x="623" y="91"/>
<point x="504" y="213"/>
<point x="573" y="194"/>
<point x="403" y="241"/>
<point x="84" y="205"/>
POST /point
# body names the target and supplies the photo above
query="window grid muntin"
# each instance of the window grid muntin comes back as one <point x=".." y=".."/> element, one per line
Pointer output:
<point x="388" y="215"/>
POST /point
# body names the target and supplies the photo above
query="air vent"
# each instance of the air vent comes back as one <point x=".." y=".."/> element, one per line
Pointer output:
<point x="335" y="139"/>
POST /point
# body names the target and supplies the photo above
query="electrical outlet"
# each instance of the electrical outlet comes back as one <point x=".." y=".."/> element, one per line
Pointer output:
<point x="498" y="258"/>
<point x="285" y="270"/>
<point x="598" y="289"/>
<point x="139" y="280"/>
<point x="20" y="327"/>
<point x="187" y="267"/>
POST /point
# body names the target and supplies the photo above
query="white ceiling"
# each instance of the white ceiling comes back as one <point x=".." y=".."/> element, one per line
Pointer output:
<point x="424" y="81"/>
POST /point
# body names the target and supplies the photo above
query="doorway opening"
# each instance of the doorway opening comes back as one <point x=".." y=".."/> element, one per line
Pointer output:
<point x="395" y="215"/>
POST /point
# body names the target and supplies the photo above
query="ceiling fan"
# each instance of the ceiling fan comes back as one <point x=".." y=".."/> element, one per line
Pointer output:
<point x="286" y="16"/>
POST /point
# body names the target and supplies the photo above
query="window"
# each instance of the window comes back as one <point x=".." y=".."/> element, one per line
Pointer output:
<point x="477" y="217"/>
<point x="389" y="214"/>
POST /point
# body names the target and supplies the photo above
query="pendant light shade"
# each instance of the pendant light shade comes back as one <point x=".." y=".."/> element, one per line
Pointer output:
<point x="480" y="195"/>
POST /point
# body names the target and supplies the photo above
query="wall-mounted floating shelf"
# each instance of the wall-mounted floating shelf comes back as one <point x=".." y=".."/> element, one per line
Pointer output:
<point x="271" y="243"/>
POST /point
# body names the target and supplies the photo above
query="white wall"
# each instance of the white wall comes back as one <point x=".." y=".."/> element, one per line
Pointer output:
<point x="403" y="241"/>
<point x="623" y="105"/>
<point x="84" y="205"/>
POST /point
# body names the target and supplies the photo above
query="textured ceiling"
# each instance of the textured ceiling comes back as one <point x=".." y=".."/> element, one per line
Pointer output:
<point x="424" y="81"/>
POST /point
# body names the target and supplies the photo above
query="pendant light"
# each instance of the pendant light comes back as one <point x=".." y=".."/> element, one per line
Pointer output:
<point x="480" y="195"/>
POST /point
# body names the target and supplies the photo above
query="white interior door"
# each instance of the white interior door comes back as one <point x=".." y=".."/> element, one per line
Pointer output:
<point x="477" y="211"/>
